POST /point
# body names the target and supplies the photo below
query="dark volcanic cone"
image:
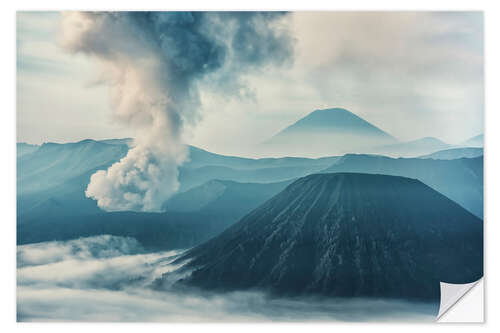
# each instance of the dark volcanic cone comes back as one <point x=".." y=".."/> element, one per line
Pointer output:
<point x="346" y="235"/>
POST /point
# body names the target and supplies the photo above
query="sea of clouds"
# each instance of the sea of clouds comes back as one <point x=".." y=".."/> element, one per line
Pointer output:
<point x="109" y="278"/>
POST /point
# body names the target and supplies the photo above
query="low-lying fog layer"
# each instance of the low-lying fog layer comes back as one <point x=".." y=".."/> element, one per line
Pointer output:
<point x="108" y="278"/>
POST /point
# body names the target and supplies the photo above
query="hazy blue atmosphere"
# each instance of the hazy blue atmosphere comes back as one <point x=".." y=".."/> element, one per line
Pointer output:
<point x="417" y="74"/>
<point x="247" y="166"/>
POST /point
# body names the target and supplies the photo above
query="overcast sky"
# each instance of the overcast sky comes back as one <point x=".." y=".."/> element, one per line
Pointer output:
<point x="413" y="74"/>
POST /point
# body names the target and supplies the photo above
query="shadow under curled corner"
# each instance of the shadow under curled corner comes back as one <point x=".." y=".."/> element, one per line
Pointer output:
<point x="451" y="294"/>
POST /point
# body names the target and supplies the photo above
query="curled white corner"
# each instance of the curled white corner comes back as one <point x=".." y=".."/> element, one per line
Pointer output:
<point x="451" y="294"/>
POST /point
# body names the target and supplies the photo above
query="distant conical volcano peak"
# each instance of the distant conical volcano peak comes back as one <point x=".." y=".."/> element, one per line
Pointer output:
<point x="329" y="131"/>
<point x="318" y="112"/>
<point x="331" y="109"/>
<point x="338" y="118"/>
<point x="345" y="234"/>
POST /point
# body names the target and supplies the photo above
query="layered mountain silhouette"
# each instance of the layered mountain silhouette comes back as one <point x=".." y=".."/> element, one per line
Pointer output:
<point x="411" y="148"/>
<point x="217" y="189"/>
<point x="190" y="178"/>
<point x="224" y="197"/>
<point x="476" y="141"/>
<point x="454" y="153"/>
<point x="124" y="141"/>
<point x="25" y="148"/>
<point x="52" y="163"/>
<point x="199" y="158"/>
<point x="50" y="167"/>
<point x="51" y="201"/>
<point x="327" y="132"/>
<point x="344" y="234"/>
<point x="460" y="179"/>
<point x="190" y="218"/>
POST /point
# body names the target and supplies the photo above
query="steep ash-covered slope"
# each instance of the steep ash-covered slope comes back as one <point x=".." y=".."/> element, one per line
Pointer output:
<point x="345" y="234"/>
<point x="461" y="180"/>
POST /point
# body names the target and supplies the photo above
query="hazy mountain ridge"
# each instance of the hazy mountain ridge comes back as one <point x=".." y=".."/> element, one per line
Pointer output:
<point x="460" y="179"/>
<point x="63" y="217"/>
<point x="227" y="195"/>
<point x="412" y="148"/>
<point x="62" y="211"/>
<point x="52" y="179"/>
<point x="52" y="164"/>
<point x="23" y="148"/>
<point x="476" y="141"/>
<point x="51" y="201"/>
<point x="70" y="196"/>
<point x="200" y="158"/>
<point x="455" y="153"/>
<point x="190" y="178"/>
<point x="124" y="141"/>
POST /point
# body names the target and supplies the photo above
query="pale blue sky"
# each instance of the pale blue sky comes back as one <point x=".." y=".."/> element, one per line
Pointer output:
<point x="413" y="74"/>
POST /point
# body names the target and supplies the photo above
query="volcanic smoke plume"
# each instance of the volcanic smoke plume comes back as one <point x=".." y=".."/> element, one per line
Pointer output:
<point x="152" y="63"/>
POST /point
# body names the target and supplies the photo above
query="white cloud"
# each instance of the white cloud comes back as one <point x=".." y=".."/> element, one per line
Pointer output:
<point x="85" y="280"/>
<point x="54" y="99"/>
<point x="413" y="74"/>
